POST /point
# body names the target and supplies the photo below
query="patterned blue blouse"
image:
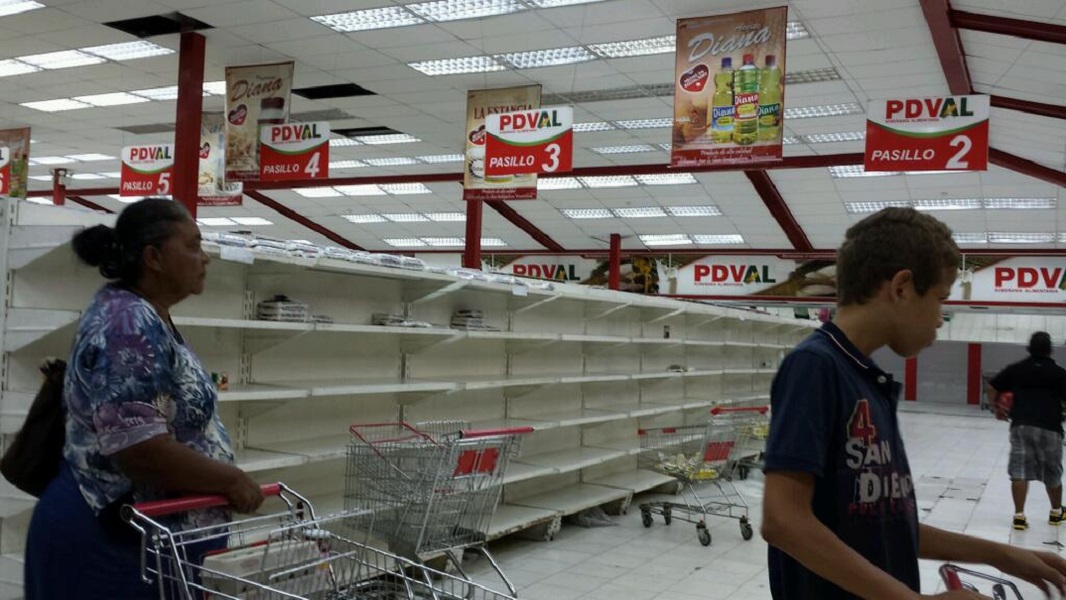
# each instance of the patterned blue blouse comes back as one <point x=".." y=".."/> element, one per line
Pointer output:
<point x="130" y="378"/>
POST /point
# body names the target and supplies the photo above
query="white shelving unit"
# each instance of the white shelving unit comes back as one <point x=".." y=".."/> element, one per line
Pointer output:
<point x="584" y="367"/>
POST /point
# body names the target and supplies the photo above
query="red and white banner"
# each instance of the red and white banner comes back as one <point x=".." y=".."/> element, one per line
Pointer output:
<point x="1028" y="279"/>
<point x="16" y="171"/>
<point x="477" y="183"/>
<point x="530" y="141"/>
<point x="147" y="170"/>
<point x="256" y="96"/>
<point x="294" y="151"/>
<point x="927" y="134"/>
<point x="5" y="170"/>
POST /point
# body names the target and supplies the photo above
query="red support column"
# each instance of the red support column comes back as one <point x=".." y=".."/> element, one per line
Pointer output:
<point x="974" y="384"/>
<point x="614" y="275"/>
<point x="910" y="379"/>
<point x="187" y="123"/>
<point x="472" y="254"/>
<point x="59" y="191"/>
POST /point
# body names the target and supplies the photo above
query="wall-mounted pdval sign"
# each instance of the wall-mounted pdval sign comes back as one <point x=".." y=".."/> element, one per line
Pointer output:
<point x="540" y="140"/>
<point x="147" y="170"/>
<point x="294" y="151"/>
<point x="5" y="170"/>
<point x="927" y="134"/>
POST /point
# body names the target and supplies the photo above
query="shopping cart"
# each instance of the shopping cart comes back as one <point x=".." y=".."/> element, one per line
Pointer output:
<point x="430" y="495"/>
<point x="752" y="427"/>
<point x="958" y="578"/>
<point x="291" y="554"/>
<point x="705" y="459"/>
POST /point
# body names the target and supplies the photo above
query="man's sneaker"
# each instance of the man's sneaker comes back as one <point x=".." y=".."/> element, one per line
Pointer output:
<point x="1056" y="517"/>
<point x="1020" y="523"/>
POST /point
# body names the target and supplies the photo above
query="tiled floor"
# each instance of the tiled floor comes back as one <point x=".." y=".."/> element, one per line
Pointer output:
<point x="958" y="456"/>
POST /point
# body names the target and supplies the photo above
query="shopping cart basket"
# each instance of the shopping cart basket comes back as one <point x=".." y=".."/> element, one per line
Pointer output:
<point x="752" y="425"/>
<point x="291" y="554"/>
<point x="429" y="495"/>
<point x="705" y="459"/>
<point x="958" y="578"/>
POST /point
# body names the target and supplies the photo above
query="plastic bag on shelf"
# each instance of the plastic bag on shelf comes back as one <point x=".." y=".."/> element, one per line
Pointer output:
<point x="415" y="264"/>
<point x="282" y="308"/>
<point x="304" y="250"/>
<point x="337" y="253"/>
<point x="233" y="239"/>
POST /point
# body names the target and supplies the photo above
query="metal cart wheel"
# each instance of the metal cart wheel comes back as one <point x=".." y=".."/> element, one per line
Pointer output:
<point x="645" y="517"/>
<point x="746" y="531"/>
<point x="742" y="472"/>
<point x="668" y="515"/>
<point x="703" y="534"/>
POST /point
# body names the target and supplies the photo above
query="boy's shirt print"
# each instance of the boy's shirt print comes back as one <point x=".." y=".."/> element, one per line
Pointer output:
<point x="880" y="488"/>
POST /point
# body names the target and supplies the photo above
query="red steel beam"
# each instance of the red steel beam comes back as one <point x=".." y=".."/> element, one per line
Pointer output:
<point x="1026" y="167"/>
<point x="472" y="253"/>
<point x="614" y="270"/>
<point x="1030" y="30"/>
<point x="1034" y="108"/>
<point x="188" y="119"/>
<point x="89" y="204"/>
<point x="508" y="212"/>
<point x="302" y="220"/>
<point x="779" y="209"/>
<point x="948" y="44"/>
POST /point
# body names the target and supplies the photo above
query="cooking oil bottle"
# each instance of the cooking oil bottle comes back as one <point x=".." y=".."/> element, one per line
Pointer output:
<point x="770" y="100"/>
<point x="746" y="102"/>
<point x="722" y="104"/>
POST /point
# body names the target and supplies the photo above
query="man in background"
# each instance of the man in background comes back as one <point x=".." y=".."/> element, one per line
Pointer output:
<point x="1038" y="386"/>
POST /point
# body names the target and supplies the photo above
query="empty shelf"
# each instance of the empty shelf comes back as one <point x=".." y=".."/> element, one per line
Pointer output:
<point x="636" y="481"/>
<point x="573" y="459"/>
<point x="575" y="498"/>
<point x="510" y="519"/>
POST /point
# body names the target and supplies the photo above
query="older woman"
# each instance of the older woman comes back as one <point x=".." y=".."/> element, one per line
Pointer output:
<point x="141" y="412"/>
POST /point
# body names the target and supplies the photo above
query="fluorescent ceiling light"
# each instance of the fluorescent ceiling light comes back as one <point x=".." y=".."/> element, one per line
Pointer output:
<point x="610" y="181"/>
<point x="667" y="179"/>
<point x="674" y="239"/>
<point x="812" y="76"/>
<point x="445" y="217"/>
<point x="796" y="31"/>
<point x="346" y="164"/>
<point x="457" y="66"/>
<point x="53" y="160"/>
<point x="657" y="45"/>
<point x="729" y="238"/>
<point x="996" y="237"/>
<point x="843" y="136"/>
<point x="55" y="105"/>
<point x="645" y="123"/>
<point x="13" y="67"/>
<point x="970" y="238"/>
<point x="44" y="201"/>
<point x="395" y="161"/>
<point x="558" y="183"/>
<point x="788" y="140"/>
<point x="252" y="221"/>
<point x="318" y="192"/>
<point x="455" y="10"/>
<point x="406" y="189"/>
<point x="360" y="190"/>
<point x="824" y="110"/>
<point x="667" y="146"/>
<point x="86" y="176"/>
<point x="552" y="57"/>
<point x="14" y="7"/>
<point x="438" y="242"/>
<point x="558" y="3"/>
<point x="112" y="175"/>
<point x="948" y="204"/>
<point x="399" y="138"/>
<point x="128" y="50"/>
<point x="62" y="59"/>
<point x="634" y="149"/>
<point x="128" y="199"/>
<point x="404" y="242"/>
<point x="640" y="212"/>
<point x="492" y="243"/>
<point x="846" y="171"/>
<point x="441" y="158"/>
<point x="1020" y="203"/>
<point x="91" y="157"/>
<point x="1062" y="238"/>
<point x="343" y="141"/>
<point x="113" y="99"/>
<point x="593" y="126"/>
<point x="215" y="221"/>
<point x="694" y="211"/>
<point x="406" y="217"/>
<point x="365" y="218"/>
<point x="217" y="88"/>
<point x="372" y="18"/>
<point x="858" y="208"/>
<point x="587" y="213"/>
<point x="169" y="92"/>
<point x="41" y="178"/>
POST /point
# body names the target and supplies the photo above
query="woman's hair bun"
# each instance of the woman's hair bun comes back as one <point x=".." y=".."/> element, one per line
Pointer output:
<point x="98" y="246"/>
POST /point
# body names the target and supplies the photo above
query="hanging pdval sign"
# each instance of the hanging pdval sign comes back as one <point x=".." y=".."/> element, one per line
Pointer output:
<point x="16" y="171"/>
<point x="729" y="89"/>
<point x="530" y="141"/>
<point x="294" y="151"/>
<point x="147" y="170"/>
<point x="5" y="170"/>
<point x="256" y="96"/>
<point x="927" y="134"/>
<point x="477" y="184"/>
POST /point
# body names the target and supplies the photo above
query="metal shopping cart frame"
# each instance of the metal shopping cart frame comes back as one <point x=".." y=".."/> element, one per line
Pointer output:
<point x="705" y="459"/>
<point x="955" y="578"/>
<point x="291" y="554"/>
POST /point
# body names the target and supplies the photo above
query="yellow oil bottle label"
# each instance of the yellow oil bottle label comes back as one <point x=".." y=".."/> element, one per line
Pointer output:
<point x="747" y="106"/>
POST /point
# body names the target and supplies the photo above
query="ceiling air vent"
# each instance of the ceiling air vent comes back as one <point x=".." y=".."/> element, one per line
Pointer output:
<point x="365" y="131"/>
<point x="331" y="114"/>
<point x="341" y="90"/>
<point x="145" y="27"/>
<point x="146" y="129"/>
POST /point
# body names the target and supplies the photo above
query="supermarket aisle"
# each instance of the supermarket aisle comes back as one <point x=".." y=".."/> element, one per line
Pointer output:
<point x="958" y="456"/>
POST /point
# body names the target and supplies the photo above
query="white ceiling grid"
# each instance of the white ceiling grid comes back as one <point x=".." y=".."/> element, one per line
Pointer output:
<point x="878" y="48"/>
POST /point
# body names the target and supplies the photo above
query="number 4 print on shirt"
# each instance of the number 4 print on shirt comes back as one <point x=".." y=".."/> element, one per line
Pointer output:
<point x="861" y="426"/>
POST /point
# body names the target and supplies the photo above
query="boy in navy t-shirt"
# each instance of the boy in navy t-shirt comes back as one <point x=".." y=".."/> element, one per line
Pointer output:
<point x="839" y="510"/>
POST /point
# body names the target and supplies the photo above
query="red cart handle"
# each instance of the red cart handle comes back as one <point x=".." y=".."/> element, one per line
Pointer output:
<point x="479" y="433"/>
<point x="718" y="410"/>
<point x="162" y="508"/>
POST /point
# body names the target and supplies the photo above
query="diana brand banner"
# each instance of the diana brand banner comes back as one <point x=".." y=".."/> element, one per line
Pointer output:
<point x="16" y="170"/>
<point x="729" y="89"/>
<point x="532" y="141"/>
<point x="256" y="96"/>
<point x="294" y="151"/>
<point x="213" y="189"/>
<point x="147" y="170"/>
<point x="927" y="134"/>
<point x="1028" y="279"/>
<point x="477" y="184"/>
